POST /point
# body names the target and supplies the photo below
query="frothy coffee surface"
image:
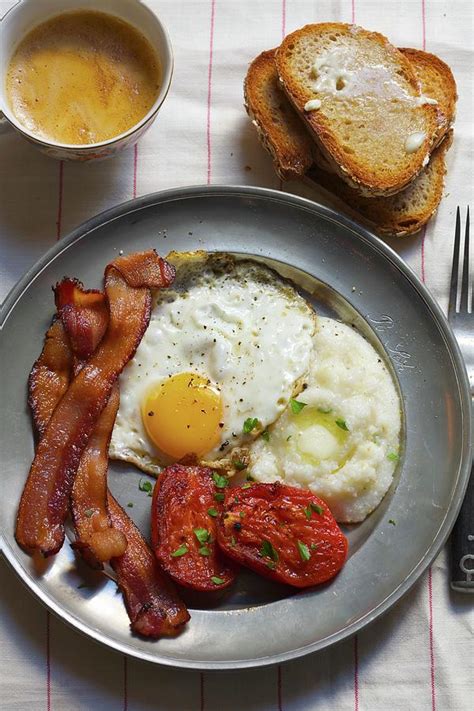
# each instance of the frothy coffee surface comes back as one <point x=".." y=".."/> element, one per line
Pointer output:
<point x="82" y="77"/>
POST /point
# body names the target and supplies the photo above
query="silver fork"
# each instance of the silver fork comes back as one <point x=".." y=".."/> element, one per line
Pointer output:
<point x="461" y="319"/>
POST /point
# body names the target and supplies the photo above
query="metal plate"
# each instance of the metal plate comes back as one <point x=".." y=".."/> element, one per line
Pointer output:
<point x="346" y="272"/>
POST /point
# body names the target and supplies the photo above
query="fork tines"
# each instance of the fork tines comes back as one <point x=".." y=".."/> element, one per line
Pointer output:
<point x="453" y="291"/>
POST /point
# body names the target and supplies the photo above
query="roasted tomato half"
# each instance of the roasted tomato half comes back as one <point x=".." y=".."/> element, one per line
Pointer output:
<point x="281" y="532"/>
<point x="187" y="502"/>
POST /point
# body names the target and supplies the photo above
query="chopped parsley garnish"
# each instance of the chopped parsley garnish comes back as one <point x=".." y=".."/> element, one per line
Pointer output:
<point x="130" y="505"/>
<point x="265" y="435"/>
<point x="220" y="481"/>
<point x="219" y="497"/>
<point x="393" y="456"/>
<point x="240" y="465"/>
<point x="325" y="410"/>
<point x="217" y="581"/>
<point x="342" y="424"/>
<point x="297" y="406"/>
<point x="204" y="550"/>
<point x="249" y="477"/>
<point x="250" y="424"/>
<point x="212" y="512"/>
<point x="317" y="508"/>
<point x="313" y="546"/>
<point x="146" y="486"/>
<point x="202" y="534"/>
<point x="392" y="521"/>
<point x="247" y="485"/>
<point x="182" y="550"/>
<point x="308" y="512"/>
<point x="303" y="550"/>
<point x="270" y="564"/>
<point x="268" y="551"/>
<point x="89" y="512"/>
<point x="288" y="438"/>
<point x="232" y="541"/>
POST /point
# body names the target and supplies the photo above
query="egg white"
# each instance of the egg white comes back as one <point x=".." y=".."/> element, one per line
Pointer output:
<point x="234" y="322"/>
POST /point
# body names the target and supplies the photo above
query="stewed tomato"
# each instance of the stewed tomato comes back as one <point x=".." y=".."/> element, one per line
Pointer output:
<point x="282" y="532"/>
<point x="187" y="501"/>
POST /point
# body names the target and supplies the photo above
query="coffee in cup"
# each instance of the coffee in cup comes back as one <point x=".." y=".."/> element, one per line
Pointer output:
<point x="82" y="77"/>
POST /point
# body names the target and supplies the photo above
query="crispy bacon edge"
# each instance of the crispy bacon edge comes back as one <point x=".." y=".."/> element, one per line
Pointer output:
<point x="97" y="540"/>
<point x="45" y="498"/>
<point x="84" y="314"/>
<point x="151" y="600"/>
<point x="50" y="376"/>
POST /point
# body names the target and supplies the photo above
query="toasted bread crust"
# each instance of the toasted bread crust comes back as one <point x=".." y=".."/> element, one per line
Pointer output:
<point x="278" y="126"/>
<point x="398" y="215"/>
<point x="358" y="167"/>
<point x="437" y="81"/>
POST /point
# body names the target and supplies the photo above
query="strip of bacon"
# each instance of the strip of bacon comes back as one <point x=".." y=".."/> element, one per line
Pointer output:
<point x="50" y="376"/>
<point x="84" y="313"/>
<point x="85" y="316"/>
<point x="96" y="538"/>
<point x="151" y="600"/>
<point x="44" y="502"/>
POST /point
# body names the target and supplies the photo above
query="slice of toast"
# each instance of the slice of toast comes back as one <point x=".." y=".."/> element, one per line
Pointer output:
<point x="295" y="154"/>
<point x="371" y="122"/>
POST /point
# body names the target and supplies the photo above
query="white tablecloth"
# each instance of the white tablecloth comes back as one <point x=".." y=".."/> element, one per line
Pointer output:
<point x="419" y="656"/>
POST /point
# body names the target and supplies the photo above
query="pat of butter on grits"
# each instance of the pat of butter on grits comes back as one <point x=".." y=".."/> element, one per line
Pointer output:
<point x="318" y="442"/>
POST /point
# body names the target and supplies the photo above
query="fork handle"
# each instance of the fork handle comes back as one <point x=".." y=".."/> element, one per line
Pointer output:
<point x="462" y="543"/>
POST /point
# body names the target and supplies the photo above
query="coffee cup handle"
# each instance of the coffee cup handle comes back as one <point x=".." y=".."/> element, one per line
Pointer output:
<point x="5" y="124"/>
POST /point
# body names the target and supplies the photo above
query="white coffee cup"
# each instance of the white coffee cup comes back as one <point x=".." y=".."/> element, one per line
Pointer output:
<point x="27" y="14"/>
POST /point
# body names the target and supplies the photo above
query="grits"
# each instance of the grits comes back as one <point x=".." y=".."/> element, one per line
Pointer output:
<point x="340" y="437"/>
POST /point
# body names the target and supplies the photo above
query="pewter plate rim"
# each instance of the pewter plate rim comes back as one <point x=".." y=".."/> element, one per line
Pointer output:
<point x="433" y="310"/>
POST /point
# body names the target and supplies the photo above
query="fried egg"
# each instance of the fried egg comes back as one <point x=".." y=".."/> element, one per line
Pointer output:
<point x="340" y="437"/>
<point x="226" y="348"/>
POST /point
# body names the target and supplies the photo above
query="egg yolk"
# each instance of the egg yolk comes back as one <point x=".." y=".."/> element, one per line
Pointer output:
<point x="183" y="415"/>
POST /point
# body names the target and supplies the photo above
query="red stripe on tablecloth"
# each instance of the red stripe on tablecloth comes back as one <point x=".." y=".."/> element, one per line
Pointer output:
<point x="48" y="663"/>
<point x="423" y="236"/>
<point x="60" y="201"/>
<point x="432" y="658"/>
<point x="135" y="169"/>
<point x="423" y="24"/>
<point x="201" y="691"/>
<point x="356" y="673"/>
<point x="209" y="90"/>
